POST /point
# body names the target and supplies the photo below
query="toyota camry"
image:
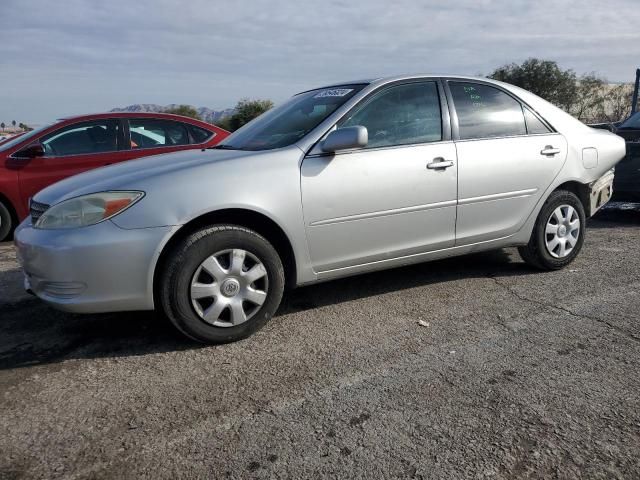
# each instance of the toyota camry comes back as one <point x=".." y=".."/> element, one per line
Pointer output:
<point x="336" y="181"/>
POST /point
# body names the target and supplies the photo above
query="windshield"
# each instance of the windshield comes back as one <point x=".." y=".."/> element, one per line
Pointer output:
<point x="21" y="138"/>
<point x="289" y="122"/>
<point x="633" y="122"/>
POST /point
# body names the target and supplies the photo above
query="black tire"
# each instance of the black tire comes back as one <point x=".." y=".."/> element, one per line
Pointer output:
<point x="188" y="255"/>
<point x="6" y="222"/>
<point x="535" y="253"/>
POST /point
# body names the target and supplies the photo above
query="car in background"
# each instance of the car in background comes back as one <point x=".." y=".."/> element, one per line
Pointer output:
<point x="36" y="159"/>
<point x="337" y="181"/>
<point x="626" y="185"/>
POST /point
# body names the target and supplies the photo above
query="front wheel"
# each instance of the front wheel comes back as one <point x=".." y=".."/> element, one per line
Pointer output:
<point x="558" y="234"/>
<point x="222" y="284"/>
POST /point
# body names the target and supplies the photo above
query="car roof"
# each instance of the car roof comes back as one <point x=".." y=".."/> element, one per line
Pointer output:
<point x="409" y="76"/>
<point x="166" y="116"/>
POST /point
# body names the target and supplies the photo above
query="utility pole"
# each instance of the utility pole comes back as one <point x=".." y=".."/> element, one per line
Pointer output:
<point x="634" y="102"/>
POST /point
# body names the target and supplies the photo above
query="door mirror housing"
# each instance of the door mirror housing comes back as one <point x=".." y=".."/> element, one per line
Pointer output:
<point x="31" y="151"/>
<point x="345" y="139"/>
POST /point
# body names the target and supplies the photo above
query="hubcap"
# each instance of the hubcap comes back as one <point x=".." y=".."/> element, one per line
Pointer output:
<point x="229" y="287"/>
<point x="562" y="231"/>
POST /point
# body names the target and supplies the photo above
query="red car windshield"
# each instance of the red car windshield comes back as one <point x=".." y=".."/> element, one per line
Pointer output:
<point x="21" y="138"/>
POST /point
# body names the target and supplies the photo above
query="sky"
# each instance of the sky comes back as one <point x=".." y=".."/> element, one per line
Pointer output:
<point x="64" y="57"/>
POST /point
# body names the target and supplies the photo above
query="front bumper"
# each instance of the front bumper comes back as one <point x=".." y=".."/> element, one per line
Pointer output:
<point x="101" y="268"/>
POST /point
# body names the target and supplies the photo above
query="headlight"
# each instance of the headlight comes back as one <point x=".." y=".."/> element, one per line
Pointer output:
<point x="87" y="209"/>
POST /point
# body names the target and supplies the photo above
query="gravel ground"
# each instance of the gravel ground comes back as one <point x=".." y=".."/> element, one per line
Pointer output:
<point x="475" y="367"/>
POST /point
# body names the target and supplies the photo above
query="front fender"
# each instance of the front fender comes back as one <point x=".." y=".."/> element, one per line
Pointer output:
<point x="267" y="183"/>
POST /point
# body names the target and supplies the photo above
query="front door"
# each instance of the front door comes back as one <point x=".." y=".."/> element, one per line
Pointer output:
<point x="387" y="200"/>
<point x="71" y="150"/>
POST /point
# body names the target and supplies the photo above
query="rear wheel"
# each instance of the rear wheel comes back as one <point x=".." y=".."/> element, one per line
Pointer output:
<point x="6" y="222"/>
<point x="558" y="234"/>
<point x="222" y="284"/>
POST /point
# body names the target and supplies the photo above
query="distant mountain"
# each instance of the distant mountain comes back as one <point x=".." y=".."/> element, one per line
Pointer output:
<point x="206" y="114"/>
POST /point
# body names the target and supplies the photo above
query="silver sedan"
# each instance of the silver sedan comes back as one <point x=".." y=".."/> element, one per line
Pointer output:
<point x="339" y="180"/>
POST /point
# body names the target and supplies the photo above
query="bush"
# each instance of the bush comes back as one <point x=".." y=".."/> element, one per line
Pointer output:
<point x="589" y="98"/>
<point x="245" y="111"/>
<point x="184" y="110"/>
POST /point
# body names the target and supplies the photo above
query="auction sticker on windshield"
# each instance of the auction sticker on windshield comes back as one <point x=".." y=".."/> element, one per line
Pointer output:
<point x="334" y="92"/>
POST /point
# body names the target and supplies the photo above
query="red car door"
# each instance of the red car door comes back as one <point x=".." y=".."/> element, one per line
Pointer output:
<point x="70" y="150"/>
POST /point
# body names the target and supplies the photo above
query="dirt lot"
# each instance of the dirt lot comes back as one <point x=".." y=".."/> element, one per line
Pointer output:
<point x="516" y="374"/>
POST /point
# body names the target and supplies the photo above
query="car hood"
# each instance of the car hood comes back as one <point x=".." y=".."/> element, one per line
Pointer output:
<point x="126" y="174"/>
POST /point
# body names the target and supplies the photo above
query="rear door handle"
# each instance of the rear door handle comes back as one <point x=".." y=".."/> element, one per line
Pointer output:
<point x="549" y="151"/>
<point x="439" y="163"/>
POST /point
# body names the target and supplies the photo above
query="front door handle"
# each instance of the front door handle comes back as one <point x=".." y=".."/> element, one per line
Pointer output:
<point x="439" y="163"/>
<point x="549" y="151"/>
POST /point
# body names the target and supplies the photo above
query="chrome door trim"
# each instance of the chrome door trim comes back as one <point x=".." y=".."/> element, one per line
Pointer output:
<point x="498" y="196"/>
<point x="384" y="213"/>
<point x="375" y="149"/>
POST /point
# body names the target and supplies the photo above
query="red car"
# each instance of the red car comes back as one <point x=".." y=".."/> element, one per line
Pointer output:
<point x="33" y="161"/>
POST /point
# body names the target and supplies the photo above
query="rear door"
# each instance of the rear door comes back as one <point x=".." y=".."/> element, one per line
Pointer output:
<point x="70" y="150"/>
<point x="507" y="158"/>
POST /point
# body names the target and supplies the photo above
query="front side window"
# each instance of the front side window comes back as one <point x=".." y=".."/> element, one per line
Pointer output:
<point x="400" y="115"/>
<point x="485" y="112"/>
<point x="98" y="136"/>
<point x="152" y="133"/>
<point x="291" y="121"/>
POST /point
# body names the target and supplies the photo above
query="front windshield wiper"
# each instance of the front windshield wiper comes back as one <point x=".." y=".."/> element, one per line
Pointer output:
<point x="223" y="147"/>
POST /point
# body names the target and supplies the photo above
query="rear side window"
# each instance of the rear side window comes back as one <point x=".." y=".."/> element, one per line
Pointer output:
<point x="200" y="135"/>
<point x="98" y="136"/>
<point x="485" y="112"/>
<point x="534" y="125"/>
<point x="151" y="133"/>
<point x="401" y="115"/>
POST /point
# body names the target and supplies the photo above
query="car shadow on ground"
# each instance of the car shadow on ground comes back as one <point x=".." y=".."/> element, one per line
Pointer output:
<point x="32" y="333"/>
<point x="501" y="263"/>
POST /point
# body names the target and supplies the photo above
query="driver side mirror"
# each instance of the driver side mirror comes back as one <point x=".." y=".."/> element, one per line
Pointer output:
<point x="31" y="151"/>
<point x="346" y="138"/>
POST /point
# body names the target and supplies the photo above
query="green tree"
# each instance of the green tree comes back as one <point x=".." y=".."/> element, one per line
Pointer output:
<point x="2" y="125"/>
<point x="185" y="111"/>
<point x="14" y="124"/>
<point x="618" y="102"/>
<point x="245" y="111"/>
<point x="589" y="104"/>
<point x="542" y="77"/>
